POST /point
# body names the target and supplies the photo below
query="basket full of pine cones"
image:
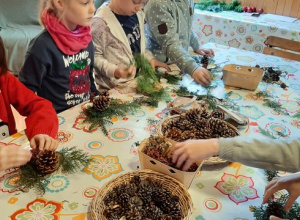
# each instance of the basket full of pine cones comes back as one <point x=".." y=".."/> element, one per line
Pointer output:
<point x="142" y="194"/>
<point x="197" y="123"/>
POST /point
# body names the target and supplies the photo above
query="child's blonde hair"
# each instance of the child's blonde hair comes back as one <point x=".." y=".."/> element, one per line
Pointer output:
<point x="49" y="5"/>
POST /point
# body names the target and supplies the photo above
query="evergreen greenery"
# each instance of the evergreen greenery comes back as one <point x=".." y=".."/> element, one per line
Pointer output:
<point x="271" y="174"/>
<point x="116" y="108"/>
<point x="218" y="6"/>
<point x="260" y="212"/>
<point x="71" y="160"/>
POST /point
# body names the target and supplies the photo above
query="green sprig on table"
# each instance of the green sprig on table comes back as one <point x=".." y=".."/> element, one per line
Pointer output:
<point x="101" y="118"/>
<point x="71" y="160"/>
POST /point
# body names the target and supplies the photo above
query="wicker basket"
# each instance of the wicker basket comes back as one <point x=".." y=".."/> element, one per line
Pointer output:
<point x="209" y="161"/>
<point x="185" y="201"/>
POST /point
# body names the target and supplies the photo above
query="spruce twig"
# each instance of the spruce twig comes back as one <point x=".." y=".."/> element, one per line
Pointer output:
<point x="275" y="106"/>
<point x="271" y="174"/>
<point x="102" y="118"/>
<point x="71" y="161"/>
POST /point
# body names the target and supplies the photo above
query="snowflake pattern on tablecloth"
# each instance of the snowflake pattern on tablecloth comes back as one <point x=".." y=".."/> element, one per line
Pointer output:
<point x="207" y="30"/>
<point x="238" y="188"/>
<point x="103" y="167"/>
<point x="57" y="183"/>
<point x="64" y="137"/>
<point x="39" y="209"/>
<point x="85" y="126"/>
<point x="278" y="130"/>
<point x="9" y="182"/>
<point x="120" y="134"/>
<point x="290" y="106"/>
<point x="251" y="111"/>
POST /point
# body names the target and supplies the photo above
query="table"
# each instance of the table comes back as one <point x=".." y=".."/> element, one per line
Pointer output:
<point x="69" y="197"/>
<point x="241" y="30"/>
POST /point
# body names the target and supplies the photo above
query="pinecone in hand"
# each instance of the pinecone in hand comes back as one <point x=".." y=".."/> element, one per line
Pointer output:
<point x="275" y="208"/>
<point x="46" y="161"/>
<point x="102" y="101"/>
<point x="204" y="61"/>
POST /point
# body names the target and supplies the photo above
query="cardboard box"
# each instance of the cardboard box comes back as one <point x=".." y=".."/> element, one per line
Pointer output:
<point x="148" y="162"/>
<point x="245" y="77"/>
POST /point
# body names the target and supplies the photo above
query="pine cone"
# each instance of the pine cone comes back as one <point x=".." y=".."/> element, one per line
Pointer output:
<point x="204" y="61"/>
<point x="174" y="134"/>
<point x="205" y="114"/>
<point x="204" y="133"/>
<point x="228" y="133"/>
<point x="46" y="161"/>
<point x="217" y="125"/>
<point x="275" y="208"/>
<point x="201" y="123"/>
<point x="218" y="114"/>
<point x="193" y="114"/>
<point x="102" y="101"/>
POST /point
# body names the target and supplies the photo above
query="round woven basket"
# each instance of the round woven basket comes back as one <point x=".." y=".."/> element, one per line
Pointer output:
<point x="173" y="185"/>
<point x="209" y="161"/>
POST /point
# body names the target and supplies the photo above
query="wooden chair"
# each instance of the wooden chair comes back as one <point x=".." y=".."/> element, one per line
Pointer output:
<point x="281" y="47"/>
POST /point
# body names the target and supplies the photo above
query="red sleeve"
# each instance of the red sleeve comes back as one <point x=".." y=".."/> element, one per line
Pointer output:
<point x="41" y="116"/>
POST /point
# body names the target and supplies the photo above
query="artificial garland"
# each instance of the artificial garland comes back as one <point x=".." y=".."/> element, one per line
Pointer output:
<point x="71" y="160"/>
<point x="218" y="6"/>
<point x="101" y="118"/>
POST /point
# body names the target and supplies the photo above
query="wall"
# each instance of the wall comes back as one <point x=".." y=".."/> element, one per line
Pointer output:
<point x="280" y="7"/>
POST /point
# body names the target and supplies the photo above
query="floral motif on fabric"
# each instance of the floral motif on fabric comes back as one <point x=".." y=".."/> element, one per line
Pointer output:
<point x="249" y="40"/>
<point x="254" y="97"/>
<point x="290" y="106"/>
<point x="246" y="59"/>
<point x="61" y="120"/>
<point x="207" y="30"/>
<point x="252" y="112"/>
<point x="56" y="184"/>
<point x="80" y="125"/>
<point x="287" y="68"/>
<point x="234" y="43"/>
<point x="219" y="33"/>
<point x="212" y="204"/>
<point x="278" y="130"/>
<point x="39" y="209"/>
<point x="120" y="134"/>
<point x="238" y="188"/>
<point x="295" y="123"/>
<point x="103" y="167"/>
<point x="9" y="182"/>
<point x="64" y="137"/>
<point x="241" y="29"/>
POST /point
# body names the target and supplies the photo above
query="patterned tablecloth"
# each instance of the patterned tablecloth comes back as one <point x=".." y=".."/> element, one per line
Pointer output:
<point x="219" y="192"/>
<point x="241" y="30"/>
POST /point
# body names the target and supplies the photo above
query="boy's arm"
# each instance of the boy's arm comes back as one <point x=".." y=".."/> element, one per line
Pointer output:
<point x="164" y="28"/>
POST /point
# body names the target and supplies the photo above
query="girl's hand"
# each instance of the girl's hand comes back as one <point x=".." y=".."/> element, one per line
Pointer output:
<point x="156" y="63"/>
<point x="290" y="183"/>
<point x="125" y="72"/>
<point x="202" y="76"/>
<point x="13" y="156"/>
<point x="43" y="142"/>
<point x="208" y="52"/>
<point x="188" y="152"/>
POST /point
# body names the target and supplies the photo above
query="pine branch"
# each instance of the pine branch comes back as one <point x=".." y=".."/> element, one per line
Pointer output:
<point x="266" y="133"/>
<point x="297" y="115"/>
<point x="275" y="106"/>
<point x="171" y="79"/>
<point x="271" y="174"/>
<point x="72" y="159"/>
<point x="263" y="94"/>
<point x="97" y="118"/>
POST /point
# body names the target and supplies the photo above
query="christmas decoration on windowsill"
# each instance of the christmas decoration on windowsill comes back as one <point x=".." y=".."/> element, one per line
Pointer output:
<point x="104" y="108"/>
<point x="34" y="174"/>
<point x="276" y="208"/>
<point x="218" y="5"/>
